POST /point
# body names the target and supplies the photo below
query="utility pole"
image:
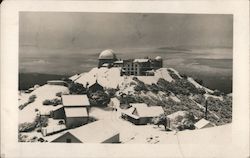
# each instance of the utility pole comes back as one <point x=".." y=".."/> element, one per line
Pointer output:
<point x="206" y="110"/>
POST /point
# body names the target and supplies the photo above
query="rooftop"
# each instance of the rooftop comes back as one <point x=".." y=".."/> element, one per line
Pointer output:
<point x="141" y="60"/>
<point x="102" y="131"/>
<point x="75" y="100"/>
<point x="76" y="112"/>
<point x="107" y="54"/>
<point x="201" y="123"/>
<point x="142" y="110"/>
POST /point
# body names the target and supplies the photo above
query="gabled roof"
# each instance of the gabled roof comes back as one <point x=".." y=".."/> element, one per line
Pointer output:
<point x="142" y="110"/>
<point x="76" y="112"/>
<point x="95" y="132"/>
<point x="202" y="123"/>
<point x="75" y="100"/>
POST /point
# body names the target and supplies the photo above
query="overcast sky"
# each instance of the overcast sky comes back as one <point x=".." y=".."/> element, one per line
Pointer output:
<point x="76" y="31"/>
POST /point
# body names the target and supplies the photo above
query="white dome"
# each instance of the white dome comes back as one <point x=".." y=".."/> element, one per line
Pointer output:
<point x="158" y="58"/>
<point x="107" y="54"/>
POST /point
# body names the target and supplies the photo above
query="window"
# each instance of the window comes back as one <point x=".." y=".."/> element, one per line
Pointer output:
<point x="68" y="140"/>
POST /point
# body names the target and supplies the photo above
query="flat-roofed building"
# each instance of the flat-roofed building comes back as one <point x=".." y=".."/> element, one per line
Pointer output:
<point x="76" y="109"/>
<point x="75" y="101"/>
<point x="75" y="117"/>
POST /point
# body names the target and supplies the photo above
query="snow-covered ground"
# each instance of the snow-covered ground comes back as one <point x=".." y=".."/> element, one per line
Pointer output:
<point x="152" y="134"/>
<point x="111" y="78"/>
<point x="129" y="133"/>
<point x="42" y="93"/>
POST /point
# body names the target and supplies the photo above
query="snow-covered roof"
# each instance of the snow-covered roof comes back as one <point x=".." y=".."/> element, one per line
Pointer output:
<point x="118" y="62"/>
<point x="202" y="123"/>
<point x="141" y="60"/>
<point x="76" y="112"/>
<point x="142" y="110"/>
<point x="75" y="100"/>
<point x="107" y="54"/>
<point x="158" y="58"/>
<point x="95" y="132"/>
<point x="45" y="110"/>
<point x="105" y="65"/>
<point x="53" y="126"/>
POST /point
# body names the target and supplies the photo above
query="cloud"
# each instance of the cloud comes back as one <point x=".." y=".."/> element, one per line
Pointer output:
<point x="35" y="62"/>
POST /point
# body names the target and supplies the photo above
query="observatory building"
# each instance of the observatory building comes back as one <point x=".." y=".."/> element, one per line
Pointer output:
<point x="107" y="58"/>
<point x="137" y="67"/>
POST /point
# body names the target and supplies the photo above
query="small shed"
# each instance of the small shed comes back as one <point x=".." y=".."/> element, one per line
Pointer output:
<point x="76" y="109"/>
<point x="95" y="132"/>
<point x="141" y="114"/>
<point x="203" y="123"/>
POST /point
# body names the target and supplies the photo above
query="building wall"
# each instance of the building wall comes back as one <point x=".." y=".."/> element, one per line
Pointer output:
<point x="114" y="139"/>
<point x="66" y="137"/>
<point x="72" y="122"/>
<point x="58" y="114"/>
<point x="140" y="121"/>
<point x="103" y="61"/>
<point x="144" y="120"/>
<point x="155" y="64"/>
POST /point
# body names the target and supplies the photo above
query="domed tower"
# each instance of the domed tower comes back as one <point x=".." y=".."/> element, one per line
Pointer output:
<point x="158" y="62"/>
<point x="107" y="58"/>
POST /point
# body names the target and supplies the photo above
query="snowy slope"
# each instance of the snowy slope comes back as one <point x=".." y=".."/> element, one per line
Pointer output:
<point x="111" y="78"/>
<point x="42" y="93"/>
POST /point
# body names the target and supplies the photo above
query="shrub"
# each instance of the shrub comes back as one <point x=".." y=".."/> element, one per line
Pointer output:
<point x="140" y="86"/>
<point x="27" y="127"/>
<point x="99" y="98"/>
<point x="59" y="94"/>
<point x="200" y="81"/>
<point x="184" y="76"/>
<point x="217" y="92"/>
<point x="153" y="88"/>
<point x="111" y="92"/>
<point x="43" y="122"/>
<point x="178" y="87"/>
<point x="31" y="99"/>
<point x="54" y="102"/>
<point x="173" y="74"/>
<point x="77" y="88"/>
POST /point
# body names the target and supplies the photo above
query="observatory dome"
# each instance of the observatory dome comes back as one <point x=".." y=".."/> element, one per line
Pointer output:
<point x="107" y="54"/>
<point x="158" y="58"/>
